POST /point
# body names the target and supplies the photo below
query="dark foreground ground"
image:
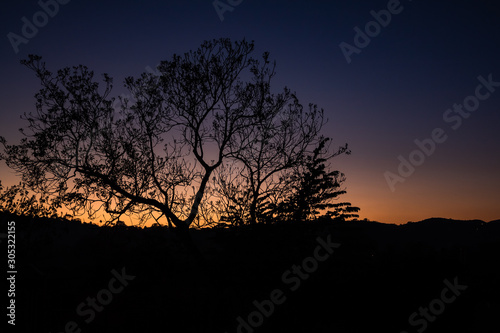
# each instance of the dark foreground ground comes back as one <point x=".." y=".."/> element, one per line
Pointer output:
<point x="435" y="275"/>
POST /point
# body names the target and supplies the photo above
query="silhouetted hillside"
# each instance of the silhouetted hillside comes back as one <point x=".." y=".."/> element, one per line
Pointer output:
<point x="374" y="280"/>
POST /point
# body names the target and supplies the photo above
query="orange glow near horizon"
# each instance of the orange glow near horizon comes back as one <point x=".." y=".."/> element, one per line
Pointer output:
<point x="406" y="204"/>
<point x="425" y="194"/>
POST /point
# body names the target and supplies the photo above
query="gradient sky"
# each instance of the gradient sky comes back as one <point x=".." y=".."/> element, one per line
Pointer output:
<point x="395" y="90"/>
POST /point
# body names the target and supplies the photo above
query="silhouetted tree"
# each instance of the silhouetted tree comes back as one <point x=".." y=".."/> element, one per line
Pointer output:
<point x="154" y="156"/>
<point x="315" y="189"/>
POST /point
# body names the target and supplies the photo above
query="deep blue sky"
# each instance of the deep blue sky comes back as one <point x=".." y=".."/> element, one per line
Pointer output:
<point x="394" y="91"/>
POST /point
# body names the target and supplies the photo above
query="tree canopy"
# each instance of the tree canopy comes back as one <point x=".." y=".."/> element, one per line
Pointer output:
<point x="207" y="117"/>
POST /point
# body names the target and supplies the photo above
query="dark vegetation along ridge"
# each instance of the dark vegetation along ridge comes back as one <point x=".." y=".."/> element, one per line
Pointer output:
<point x="375" y="278"/>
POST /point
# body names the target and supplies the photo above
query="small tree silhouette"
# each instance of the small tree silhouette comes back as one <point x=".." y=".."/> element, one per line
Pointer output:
<point x="315" y="189"/>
